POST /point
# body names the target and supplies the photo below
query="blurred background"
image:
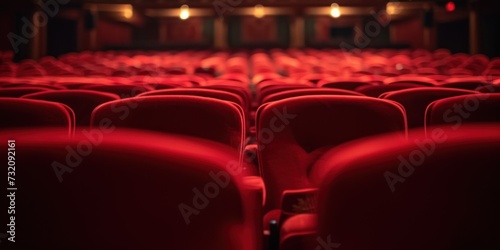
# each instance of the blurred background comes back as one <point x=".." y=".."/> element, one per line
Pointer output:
<point x="33" y="29"/>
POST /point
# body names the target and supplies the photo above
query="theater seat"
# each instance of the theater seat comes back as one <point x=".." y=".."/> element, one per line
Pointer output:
<point x="82" y="102"/>
<point x="453" y="112"/>
<point x="125" y="189"/>
<point x="377" y="90"/>
<point x="307" y="92"/>
<point x="201" y="117"/>
<point x="211" y="93"/>
<point x="20" y="91"/>
<point x="292" y="133"/>
<point x="416" y="100"/>
<point x="123" y="91"/>
<point x="470" y="83"/>
<point x="434" y="192"/>
<point x="22" y="113"/>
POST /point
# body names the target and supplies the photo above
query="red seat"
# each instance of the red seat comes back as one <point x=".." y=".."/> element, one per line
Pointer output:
<point x="340" y="83"/>
<point x="20" y="91"/>
<point x="129" y="190"/>
<point x="217" y="94"/>
<point x="123" y="91"/>
<point x="424" y="81"/>
<point x="454" y="111"/>
<point x="268" y="88"/>
<point x="377" y="90"/>
<point x="307" y="92"/>
<point x="416" y="100"/>
<point x="22" y="113"/>
<point x="439" y="193"/>
<point x="82" y="102"/>
<point x="470" y="83"/>
<point x="293" y="132"/>
<point x="202" y="117"/>
<point x="489" y="89"/>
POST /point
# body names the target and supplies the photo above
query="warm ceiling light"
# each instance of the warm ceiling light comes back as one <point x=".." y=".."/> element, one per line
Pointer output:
<point x="450" y="6"/>
<point x="128" y="12"/>
<point x="335" y="10"/>
<point x="391" y="8"/>
<point x="258" y="11"/>
<point x="184" y="13"/>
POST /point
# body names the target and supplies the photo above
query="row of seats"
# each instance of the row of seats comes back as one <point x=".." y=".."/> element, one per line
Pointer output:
<point x="142" y="190"/>
<point x="279" y="129"/>
<point x="293" y="63"/>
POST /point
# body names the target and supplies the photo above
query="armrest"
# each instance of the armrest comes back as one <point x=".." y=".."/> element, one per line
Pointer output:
<point x="299" y="231"/>
<point x="300" y="201"/>
<point x="255" y="185"/>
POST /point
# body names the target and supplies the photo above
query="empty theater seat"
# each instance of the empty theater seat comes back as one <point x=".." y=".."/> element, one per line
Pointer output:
<point x="123" y="91"/>
<point x="453" y="112"/>
<point x="470" y="83"/>
<point x="293" y="132"/>
<point x="340" y="83"/>
<point x="211" y="93"/>
<point x="416" y="100"/>
<point x="82" y="102"/>
<point x="201" y="117"/>
<point x="307" y="92"/>
<point x="377" y="90"/>
<point x="129" y="190"/>
<point x="398" y="195"/>
<point x="22" y="113"/>
<point x="20" y="91"/>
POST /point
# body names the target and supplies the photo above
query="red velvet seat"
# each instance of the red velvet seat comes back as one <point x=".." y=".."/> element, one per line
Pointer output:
<point x="340" y="83"/>
<point x="489" y="89"/>
<point x="82" y="102"/>
<point x="125" y="189"/>
<point x="269" y="88"/>
<point x="202" y="117"/>
<point x="402" y="195"/>
<point x="453" y="112"/>
<point x="424" y="81"/>
<point x="243" y="92"/>
<point x="22" y="113"/>
<point x="293" y="132"/>
<point x="20" y="91"/>
<point x="470" y="83"/>
<point x="217" y="94"/>
<point x="416" y="100"/>
<point x="123" y="91"/>
<point x="307" y="92"/>
<point x="377" y="90"/>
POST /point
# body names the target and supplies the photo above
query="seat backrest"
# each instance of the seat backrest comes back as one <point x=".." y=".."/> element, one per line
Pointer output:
<point x="452" y="112"/>
<point x="377" y="90"/>
<point x="416" y="100"/>
<point x="343" y="84"/>
<point x="293" y="132"/>
<point x="128" y="190"/>
<point x="202" y="117"/>
<point x="20" y="91"/>
<point x="211" y="93"/>
<point x="424" y="81"/>
<point x="439" y="192"/>
<point x="307" y="92"/>
<point x="470" y="83"/>
<point x="123" y="91"/>
<point x="82" y="102"/>
<point x="21" y="113"/>
<point x="266" y="89"/>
